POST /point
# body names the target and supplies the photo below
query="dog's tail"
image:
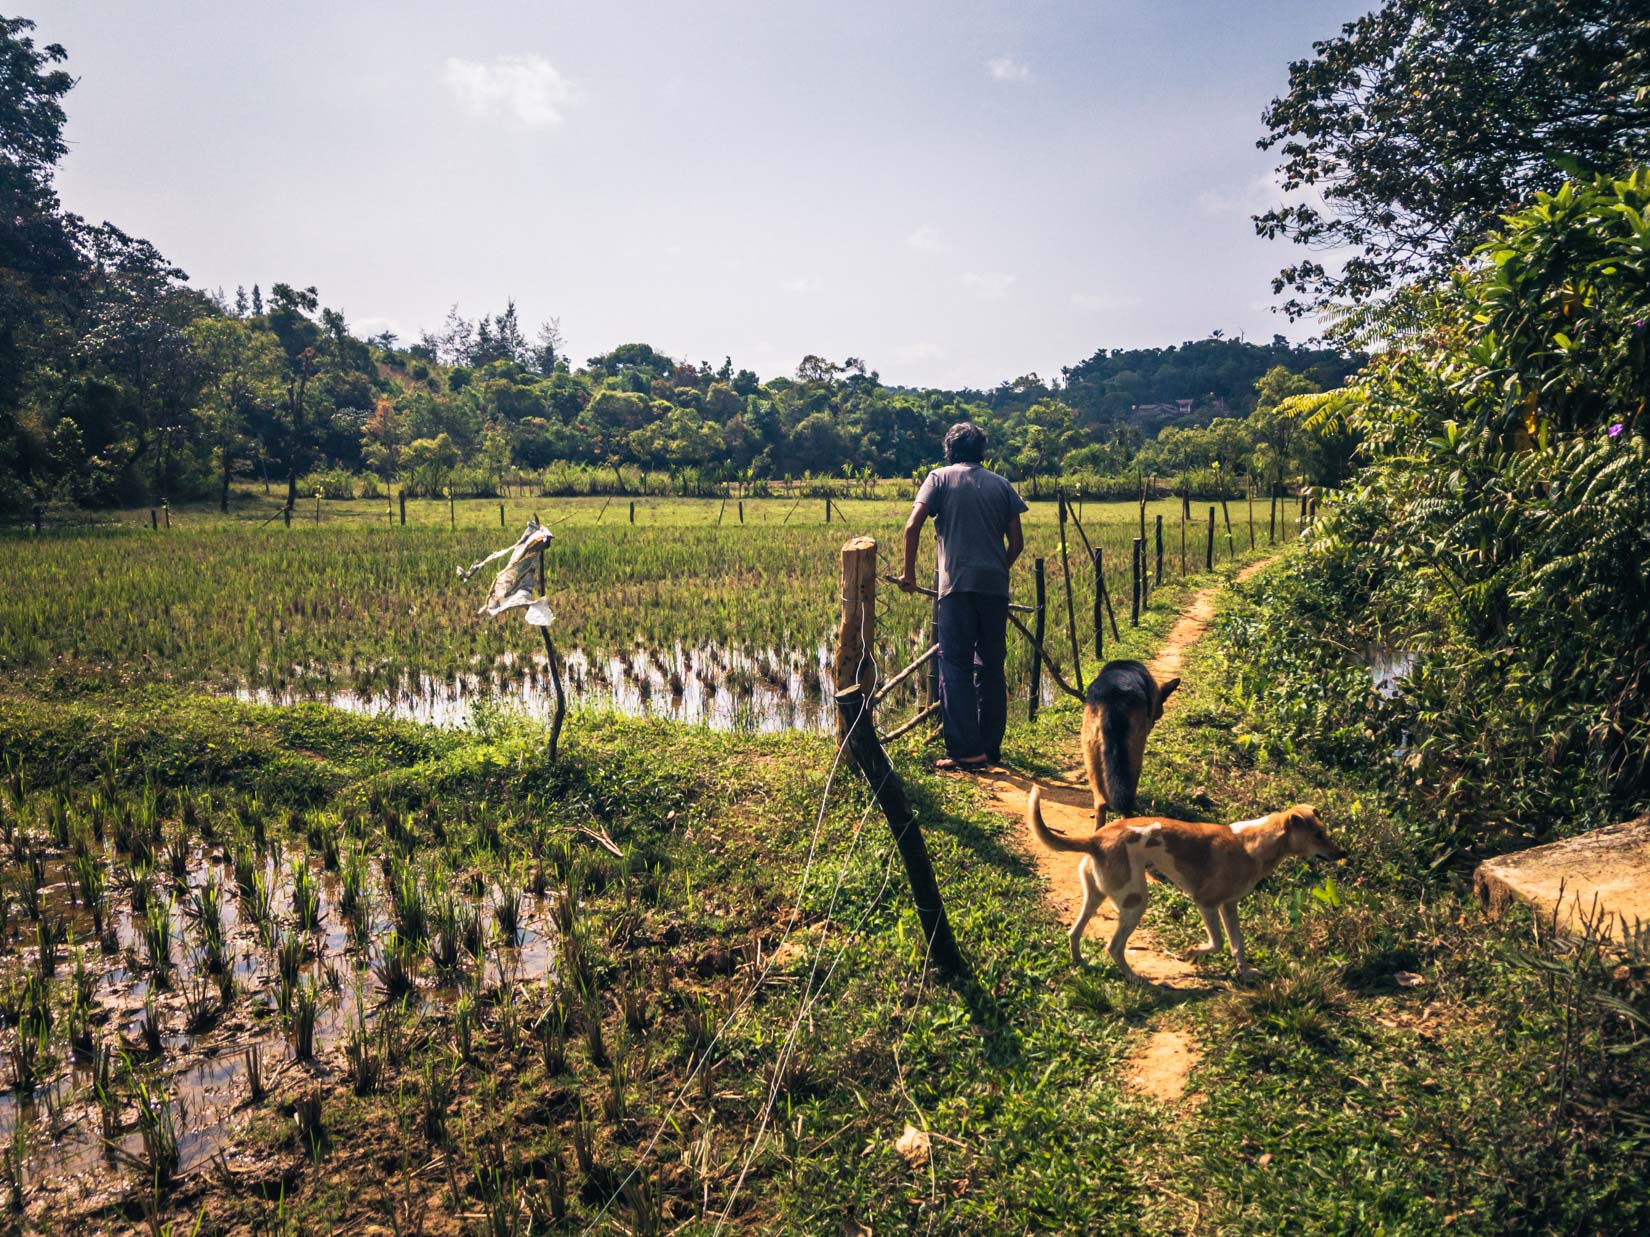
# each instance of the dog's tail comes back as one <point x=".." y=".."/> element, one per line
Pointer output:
<point x="1121" y="780"/>
<point x="1047" y="836"/>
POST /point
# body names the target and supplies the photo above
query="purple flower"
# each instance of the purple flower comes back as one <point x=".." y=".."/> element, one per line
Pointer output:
<point x="1615" y="431"/>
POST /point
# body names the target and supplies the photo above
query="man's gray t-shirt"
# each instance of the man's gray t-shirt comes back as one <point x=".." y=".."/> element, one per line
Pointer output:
<point x="972" y="507"/>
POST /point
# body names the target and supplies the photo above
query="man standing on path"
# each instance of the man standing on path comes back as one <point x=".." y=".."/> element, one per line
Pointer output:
<point x="977" y="520"/>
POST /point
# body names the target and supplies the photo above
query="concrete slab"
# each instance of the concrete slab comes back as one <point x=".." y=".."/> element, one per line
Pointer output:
<point x="1612" y="865"/>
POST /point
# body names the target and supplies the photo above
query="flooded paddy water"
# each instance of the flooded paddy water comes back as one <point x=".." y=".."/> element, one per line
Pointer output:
<point x="156" y="987"/>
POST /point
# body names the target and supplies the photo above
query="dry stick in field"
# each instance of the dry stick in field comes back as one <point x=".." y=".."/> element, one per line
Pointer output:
<point x="603" y="511"/>
<point x="923" y="715"/>
<point x="1039" y="624"/>
<point x="721" y="511"/>
<point x="1071" y="607"/>
<point x="1106" y="592"/>
<point x="1099" y="607"/>
<point x="1046" y="660"/>
<point x="555" y="672"/>
<point x="790" y="513"/>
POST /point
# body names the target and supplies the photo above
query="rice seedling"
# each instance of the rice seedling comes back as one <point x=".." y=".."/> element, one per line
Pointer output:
<point x="27" y="1050"/>
<point x="50" y="932"/>
<point x="13" y="1164"/>
<point x="28" y="894"/>
<point x="139" y="870"/>
<point x="306" y="896"/>
<point x="150" y="1030"/>
<point x="160" y="1119"/>
<point x="352" y="881"/>
<point x="289" y="960"/>
<point x="395" y="967"/>
<point x="407" y="904"/>
<point x="206" y="910"/>
<point x="92" y="879"/>
<point x="437" y="1096"/>
<point x="364" y="1050"/>
<point x="200" y="1007"/>
<point x="306" y="1006"/>
<point x="507" y="909"/>
<point x="307" y="1113"/>
<point x="444" y="943"/>
<point x="245" y="862"/>
<point x="175" y="851"/>
<point x="260" y="908"/>
<point x="157" y="941"/>
<point x="464" y="1028"/>
<point x="254" y="1060"/>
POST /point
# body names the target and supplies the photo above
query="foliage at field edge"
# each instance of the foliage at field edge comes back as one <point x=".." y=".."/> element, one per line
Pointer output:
<point x="1498" y="531"/>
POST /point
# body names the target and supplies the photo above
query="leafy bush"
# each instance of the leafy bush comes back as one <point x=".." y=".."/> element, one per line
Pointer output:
<point x="1499" y="531"/>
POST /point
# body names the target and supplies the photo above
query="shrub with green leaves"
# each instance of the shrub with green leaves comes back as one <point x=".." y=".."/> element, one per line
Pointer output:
<point x="1499" y="531"/>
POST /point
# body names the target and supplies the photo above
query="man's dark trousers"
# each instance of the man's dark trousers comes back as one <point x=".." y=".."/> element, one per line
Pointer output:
<point x="973" y="692"/>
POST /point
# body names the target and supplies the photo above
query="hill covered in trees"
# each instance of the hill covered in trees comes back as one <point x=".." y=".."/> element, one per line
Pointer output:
<point x="122" y="384"/>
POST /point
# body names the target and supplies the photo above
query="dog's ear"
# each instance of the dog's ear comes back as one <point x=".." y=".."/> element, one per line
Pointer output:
<point x="1304" y="814"/>
<point x="1165" y="690"/>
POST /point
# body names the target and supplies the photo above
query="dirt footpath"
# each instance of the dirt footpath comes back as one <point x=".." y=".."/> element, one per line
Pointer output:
<point x="1158" y="1066"/>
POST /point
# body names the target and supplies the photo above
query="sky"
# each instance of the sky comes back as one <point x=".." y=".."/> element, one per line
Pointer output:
<point x="957" y="192"/>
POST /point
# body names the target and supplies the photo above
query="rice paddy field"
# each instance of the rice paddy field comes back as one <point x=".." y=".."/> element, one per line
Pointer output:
<point x="702" y="610"/>
<point x="273" y="966"/>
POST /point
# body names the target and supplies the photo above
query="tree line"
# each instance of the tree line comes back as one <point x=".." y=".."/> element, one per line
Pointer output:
<point x="121" y="384"/>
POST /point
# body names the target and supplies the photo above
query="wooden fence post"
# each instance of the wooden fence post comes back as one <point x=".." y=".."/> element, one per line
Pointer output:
<point x="827" y="510"/>
<point x="1209" y="549"/>
<point x="1159" y="581"/>
<point x="403" y="507"/>
<point x="1226" y="514"/>
<point x="1249" y="492"/>
<point x="501" y="515"/>
<point x="632" y="510"/>
<point x="1135" y="593"/>
<point x="854" y="718"/>
<point x="741" y="510"/>
<point x="1071" y="607"/>
<point x="1038" y="628"/>
<point x="1272" y="518"/>
<point x="856" y="636"/>
<point x="154" y="519"/>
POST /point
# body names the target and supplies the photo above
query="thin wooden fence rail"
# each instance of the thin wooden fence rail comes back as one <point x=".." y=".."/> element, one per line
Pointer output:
<point x="933" y="650"/>
<point x="1043" y="654"/>
<point x="922" y="715"/>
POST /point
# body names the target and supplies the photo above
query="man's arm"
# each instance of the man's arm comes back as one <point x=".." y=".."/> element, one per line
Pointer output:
<point x="913" y="538"/>
<point x="1016" y="539"/>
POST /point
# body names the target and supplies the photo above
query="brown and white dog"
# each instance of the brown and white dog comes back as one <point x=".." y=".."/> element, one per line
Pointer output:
<point x="1119" y="710"/>
<point x="1214" y="865"/>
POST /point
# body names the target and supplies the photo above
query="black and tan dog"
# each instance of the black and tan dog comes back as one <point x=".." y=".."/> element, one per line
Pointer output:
<point x="1122" y="705"/>
<point x="1214" y="865"/>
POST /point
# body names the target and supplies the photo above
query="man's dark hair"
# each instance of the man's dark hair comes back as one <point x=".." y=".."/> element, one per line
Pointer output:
<point x="964" y="443"/>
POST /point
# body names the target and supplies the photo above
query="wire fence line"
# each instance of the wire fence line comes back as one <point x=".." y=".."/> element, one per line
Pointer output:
<point x="867" y="655"/>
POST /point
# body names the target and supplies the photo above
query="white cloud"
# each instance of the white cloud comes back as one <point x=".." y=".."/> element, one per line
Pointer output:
<point x="908" y="353"/>
<point x="1094" y="303"/>
<point x="1255" y="196"/>
<point x="991" y="283"/>
<point x="1007" y="69"/>
<point x="366" y="328"/>
<point x="527" y="90"/>
<point x="926" y="239"/>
